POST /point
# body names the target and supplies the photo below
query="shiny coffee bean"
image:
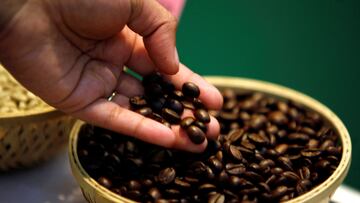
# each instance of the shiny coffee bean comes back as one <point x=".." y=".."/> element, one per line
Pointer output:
<point x="170" y="116"/>
<point x="154" y="77"/>
<point x="175" y="105"/>
<point x="104" y="181"/>
<point x="202" y="115"/>
<point x="201" y="125"/>
<point x="166" y="176"/>
<point x="191" y="90"/>
<point x="145" y="111"/>
<point x="137" y="102"/>
<point x="186" y="122"/>
<point x="196" y="135"/>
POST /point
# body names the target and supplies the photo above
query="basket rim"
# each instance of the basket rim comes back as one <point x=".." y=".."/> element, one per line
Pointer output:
<point x="318" y="193"/>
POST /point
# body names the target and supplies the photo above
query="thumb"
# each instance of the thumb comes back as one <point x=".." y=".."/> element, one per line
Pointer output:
<point x="158" y="28"/>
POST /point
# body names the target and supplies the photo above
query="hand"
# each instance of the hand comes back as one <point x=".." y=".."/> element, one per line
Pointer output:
<point x="72" y="54"/>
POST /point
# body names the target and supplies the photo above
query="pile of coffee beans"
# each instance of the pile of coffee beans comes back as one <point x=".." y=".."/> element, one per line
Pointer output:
<point x="14" y="98"/>
<point x="269" y="150"/>
<point x="163" y="103"/>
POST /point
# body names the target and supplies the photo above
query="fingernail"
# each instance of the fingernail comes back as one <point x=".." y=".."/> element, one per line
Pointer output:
<point x="176" y="56"/>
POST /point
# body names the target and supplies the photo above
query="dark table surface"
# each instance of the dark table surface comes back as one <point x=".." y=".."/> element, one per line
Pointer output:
<point x="311" y="46"/>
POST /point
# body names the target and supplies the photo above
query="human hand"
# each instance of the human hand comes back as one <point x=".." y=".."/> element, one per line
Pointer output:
<point x="72" y="54"/>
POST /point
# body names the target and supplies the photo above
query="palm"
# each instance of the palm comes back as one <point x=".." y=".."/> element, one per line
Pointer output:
<point x="71" y="54"/>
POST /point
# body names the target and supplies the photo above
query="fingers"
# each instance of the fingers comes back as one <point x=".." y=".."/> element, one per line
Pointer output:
<point x="209" y="95"/>
<point x="158" y="27"/>
<point x="115" y="116"/>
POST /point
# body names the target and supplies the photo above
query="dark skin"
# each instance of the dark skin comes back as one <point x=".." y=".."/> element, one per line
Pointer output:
<point x="72" y="54"/>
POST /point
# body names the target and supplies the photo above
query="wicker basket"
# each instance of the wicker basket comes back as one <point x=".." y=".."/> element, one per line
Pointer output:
<point x="29" y="137"/>
<point x="94" y="192"/>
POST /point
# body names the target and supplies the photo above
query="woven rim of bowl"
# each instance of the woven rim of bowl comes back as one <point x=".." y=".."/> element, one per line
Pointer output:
<point x="318" y="193"/>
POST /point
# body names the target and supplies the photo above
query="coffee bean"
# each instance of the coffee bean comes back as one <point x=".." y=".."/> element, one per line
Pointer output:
<point x="137" y="102"/>
<point x="171" y="116"/>
<point x="175" y="105"/>
<point x="235" y="152"/>
<point x="154" y="77"/>
<point x="166" y="176"/>
<point x="223" y="177"/>
<point x="154" y="193"/>
<point x="250" y="191"/>
<point x="201" y="125"/>
<point x="264" y="187"/>
<point x="145" y="111"/>
<point x="235" y="135"/>
<point x="291" y="176"/>
<point x="257" y="121"/>
<point x="196" y="135"/>
<point x="202" y="115"/>
<point x="167" y="86"/>
<point x="182" y="183"/>
<point x="304" y="172"/>
<point x="198" y="103"/>
<point x="157" y="104"/>
<point x="253" y="176"/>
<point x="134" y="185"/>
<point x="215" y="164"/>
<point x="259" y="139"/>
<point x="190" y="90"/>
<point x="235" y="169"/>
<point x="278" y="118"/>
<point x="186" y="122"/>
<point x="310" y="153"/>
<point x="279" y="191"/>
<point x="298" y="137"/>
<point x="216" y="198"/>
<point x="285" y="163"/>
<point x="303" y="186"/>
<point x="154" y="90"/>
<point x="322" y="164"/>
<point x="207" y="187"/>
<point x="188" y="105"/>
<point x="104" y="181"/>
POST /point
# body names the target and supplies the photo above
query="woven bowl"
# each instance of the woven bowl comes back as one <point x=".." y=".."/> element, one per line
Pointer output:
<point x="29" y="137"/>
<point x="95" y="193"/>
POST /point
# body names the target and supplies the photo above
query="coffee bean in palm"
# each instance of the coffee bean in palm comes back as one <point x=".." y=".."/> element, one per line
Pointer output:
<point x="157" y="104"/>
<point x="202" y="115"/>
<point x="167" y="86"/>
<point x="190" y="90"/>
<point x="201" y="125"/>
<point x="154" y="90"/>
<point x="175" y="105"/>
<point x="145" y="111"/>
<point x="188" y="105"/>
<point x="137" y="102"/>
<point x="186" y="122"/>
<point x="170" y="116"/>
<point x="166" y="176"/>
<point x="198" y="103"/>
<point x="196" y="135"/>
<point x="154" y="77"/>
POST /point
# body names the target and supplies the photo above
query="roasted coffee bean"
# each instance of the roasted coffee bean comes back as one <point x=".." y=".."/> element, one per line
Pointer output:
<point x="311" y="153"/>
<point x="154" y="193"/>
<point x="215" y="164"/>
<point x="190" y="90"/>
<point x="281" y="148"/>
<point x="206" y="188"/>
<point x="228" y="117"/>
<point x="235" y="135"/>
<point x="298" y="137"/>
<point x="258" y="139"/>
<point x="147" y="183"/>
<point x="235" y="169"/>
<point x="216" y="198"/>
<point x="235" y="153"/>
<point x="196" y="135"/>
<point x="145" y="111"/>
<point x="201" y="125"/>
<point x="303" y="186"/>
<point x="188" y="105"/>
<point x="137" y="102"/>
<point x="253" y="176"/>
<point x="279" y="191"/>
<point x="278" y="118"/>
<point x="198" y="103"/>
<point x="154" y="77"/>
<point x="154" y="90"/>
<point x="202" y="115"/>
<point x="304" y="172"/>
<point x="322" y="164"/>
<point x="134" y="185"/>
<point x="182" y="183"/>
<point x="104" y="181"/>
<point x="250" y="191"/>
<point x="134" y="194"/>
<point x="223" y="177"/>
<point x="171" y="116"/>
<point x="286" y="163"/>
<point x="257" y="121"/>
<point x="175" y="105"/>
<point x="157" y="104"/>
<point x="186" y="122"/>
<point x="266" y="163"/>
<point x="167" y="86"/>
<point x="264" y="187"/>
<point x="166" y="176"/>
<point x="290" y="176"/>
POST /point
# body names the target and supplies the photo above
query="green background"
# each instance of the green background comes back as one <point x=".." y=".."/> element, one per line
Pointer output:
<point x="310" y="46"/>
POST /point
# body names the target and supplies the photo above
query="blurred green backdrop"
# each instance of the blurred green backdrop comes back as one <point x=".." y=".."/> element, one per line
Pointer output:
<point x="311" y="46"/>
